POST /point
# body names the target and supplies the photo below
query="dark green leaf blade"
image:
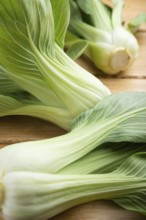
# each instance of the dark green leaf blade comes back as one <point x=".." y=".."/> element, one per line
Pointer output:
<point x="77" y="49"/>
<point x="121" y="115"/>
<point x="134" y="166"/>
<point x="7" y="86"/>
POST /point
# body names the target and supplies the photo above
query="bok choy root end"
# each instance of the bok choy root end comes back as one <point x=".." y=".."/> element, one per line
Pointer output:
<point x="98" y="30"/>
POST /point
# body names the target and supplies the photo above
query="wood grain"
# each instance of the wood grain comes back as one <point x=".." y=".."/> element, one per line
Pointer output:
<point x="23" y="128"/>
<point x="18" y="129"/>
<point x="98" y="210"/>
<point x="118" y="85"/>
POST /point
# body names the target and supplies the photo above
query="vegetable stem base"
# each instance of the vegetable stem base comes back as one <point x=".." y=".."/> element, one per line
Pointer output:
<point x="120" y="59"/>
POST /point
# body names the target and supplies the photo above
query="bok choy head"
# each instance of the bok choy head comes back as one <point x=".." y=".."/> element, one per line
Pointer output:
<point x="116" y="118"/>
<point x="96" y="27"/>
<point x="31" y="40"/>
<point x="34" y="171"/>
<point x="35" y="195"/>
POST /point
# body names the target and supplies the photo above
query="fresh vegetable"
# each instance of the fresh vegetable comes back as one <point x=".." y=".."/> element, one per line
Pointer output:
<point x="15" y="101"/>
<point x="31" y="56"/>
<point x="104" y="159"/>
<point x="98" y="30"/>
<point x="104" y="123"/>
<point x="34" y="173"/>
<point x="33" y="195"/>
<point x="7" y="86"/>
<point x="25" y="104"/>
<point x="37" y="77"/>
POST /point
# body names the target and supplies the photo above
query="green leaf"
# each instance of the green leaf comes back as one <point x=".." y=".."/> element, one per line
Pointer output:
<point x="104" y="159"/>
<point x="7" y="85"/>
<point x="75" y="11"/>
<point x="36" y="63"/>
<point x="98" y="12"/>
<point x="8" y="104"/>
<point x="136" y="22"/>
<point x="14" y="101"/>
<point x="88" y="32"/>
<point x="77" y="49"/>
<point x="19" y="25"/>
<point x="71" y="39"/>
<point x="18" y="19"/>
<point x="61" y="14"/>
<point x="119" y="115"/>
<point x="21" y="105"/>
<point x="39" y="24"/>
<point x="117" y="118"/>
<point x="134" y="166"/>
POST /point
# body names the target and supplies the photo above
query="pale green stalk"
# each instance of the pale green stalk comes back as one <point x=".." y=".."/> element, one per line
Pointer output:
<point x="40" y="196"/>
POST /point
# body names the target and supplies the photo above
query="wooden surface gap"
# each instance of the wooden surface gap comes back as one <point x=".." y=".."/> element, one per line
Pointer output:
<point x="130" y="77"/>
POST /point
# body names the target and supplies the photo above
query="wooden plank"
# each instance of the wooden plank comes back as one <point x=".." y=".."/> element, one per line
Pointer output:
<point x="134" y="8"/>
<point x="119" y="85"/>
<point x="2" y="145"/>
<point x="21" y="128"/>
<point x="98" y="210"/>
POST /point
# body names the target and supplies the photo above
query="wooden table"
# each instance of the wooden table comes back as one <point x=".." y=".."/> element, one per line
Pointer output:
<point x="17" y="129"/>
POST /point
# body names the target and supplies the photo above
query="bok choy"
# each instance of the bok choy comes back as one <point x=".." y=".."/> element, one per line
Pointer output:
<point x="31" y="56"/>
<point x="33" y="195"/>
<point x="104" y="159"/>
<point x="98" y="30"/>
<point x="104" y="123"/>
<point x="41" y="179"/>
<point x="25" y="104"/>
<point x="15" y="101"/>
